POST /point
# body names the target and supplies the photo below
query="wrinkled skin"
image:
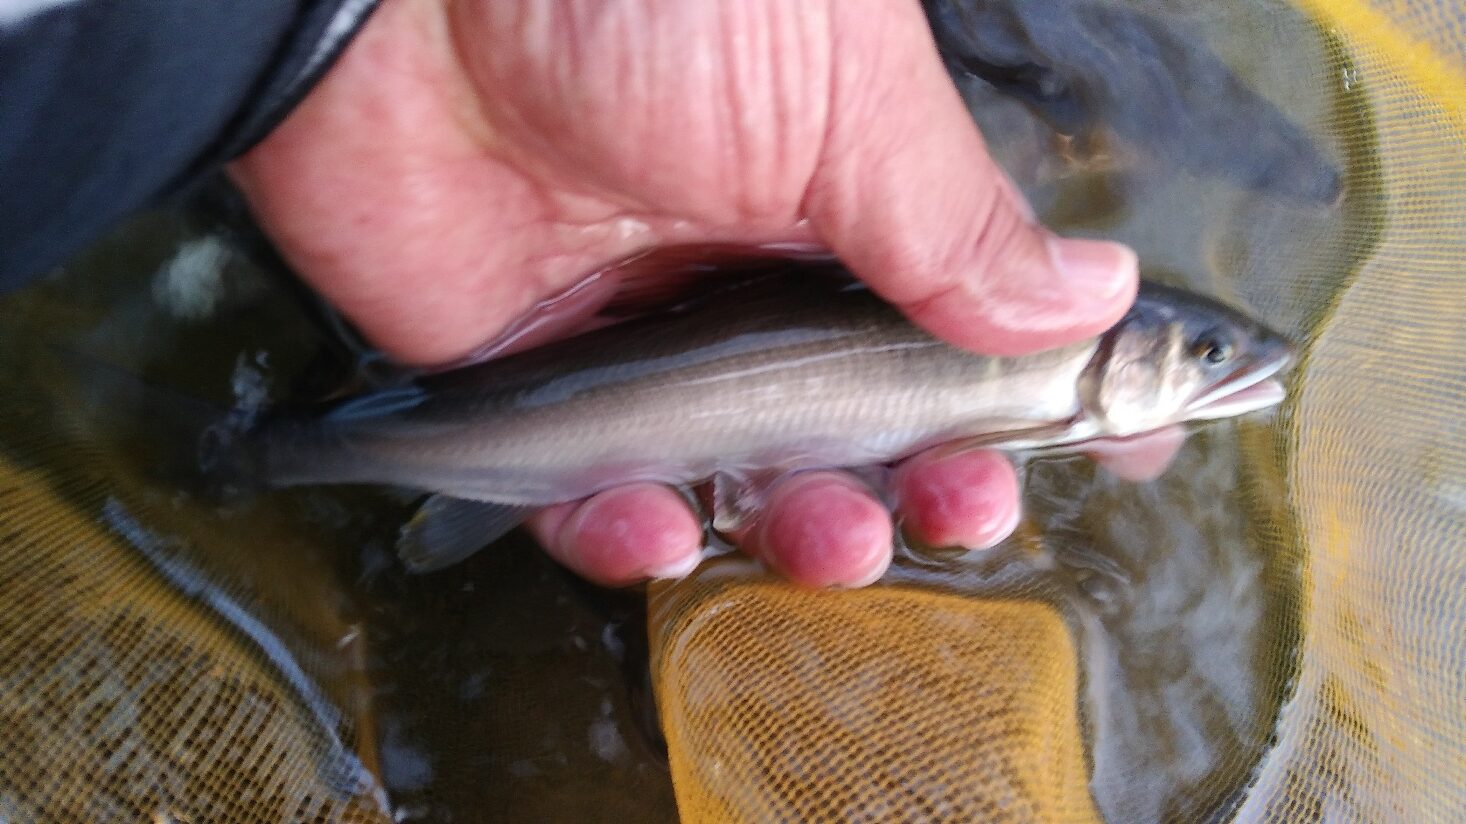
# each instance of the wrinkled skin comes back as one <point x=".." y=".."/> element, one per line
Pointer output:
<point x="468" y="159"/>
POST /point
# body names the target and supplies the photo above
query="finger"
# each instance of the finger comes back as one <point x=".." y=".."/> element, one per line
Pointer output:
<point x="907" y="194"/>
<point x="622" y="535"/>
<point x="968" y="499"/>
<point x="823" y="529"/>
<point x="1139" y="458"/>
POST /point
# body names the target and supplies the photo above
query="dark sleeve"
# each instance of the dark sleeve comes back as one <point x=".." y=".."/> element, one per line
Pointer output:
<point x="110" y="107"/>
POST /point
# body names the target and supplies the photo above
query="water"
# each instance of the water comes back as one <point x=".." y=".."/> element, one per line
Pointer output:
<point x="505" y="689"/>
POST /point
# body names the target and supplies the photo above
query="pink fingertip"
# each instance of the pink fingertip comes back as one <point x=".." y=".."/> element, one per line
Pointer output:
<point x="969" y="499"/>
<point x="546" y="524"/>
<point x="825" y="531"/>
<point x="629" y="534"/>
<point x="877" y="572"/>
<point x="676" y="569"/>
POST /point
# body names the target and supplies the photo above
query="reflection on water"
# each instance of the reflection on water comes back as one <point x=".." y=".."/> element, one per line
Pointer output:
<point x="1180" y="666"/>
<point x="504" y="689"/>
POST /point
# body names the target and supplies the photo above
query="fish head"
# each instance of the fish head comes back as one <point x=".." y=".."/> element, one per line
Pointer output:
<point x="1176" y="357"/>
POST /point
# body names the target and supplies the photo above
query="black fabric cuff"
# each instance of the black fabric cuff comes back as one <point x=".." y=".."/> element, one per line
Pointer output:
<point x="107" y="108"/>
<point x="323" y="31"/>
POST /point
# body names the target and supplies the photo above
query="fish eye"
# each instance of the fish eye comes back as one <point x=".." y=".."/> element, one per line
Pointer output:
<point x="1212" y="349"/>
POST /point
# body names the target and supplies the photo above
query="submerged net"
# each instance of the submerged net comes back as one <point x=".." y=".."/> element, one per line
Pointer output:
<point x="125" y="695"/>
<point x="950" y="692"/>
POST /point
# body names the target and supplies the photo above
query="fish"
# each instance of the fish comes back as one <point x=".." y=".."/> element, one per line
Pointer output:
<point x="803" y="369"/>
<point x="1087" y="67"/>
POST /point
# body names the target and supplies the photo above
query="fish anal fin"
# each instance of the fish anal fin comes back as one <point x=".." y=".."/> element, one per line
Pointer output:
<point x="446" y="530"/>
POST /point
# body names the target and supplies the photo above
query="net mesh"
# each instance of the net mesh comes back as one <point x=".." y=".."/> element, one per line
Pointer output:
<point x="1376" y="729"/>
<point x="832" y="720"/>
<point x="905" y="704"/>
<point x="123" y="698"/>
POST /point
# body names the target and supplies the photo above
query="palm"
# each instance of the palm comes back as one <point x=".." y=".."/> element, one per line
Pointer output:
<point x="695" y="128"/>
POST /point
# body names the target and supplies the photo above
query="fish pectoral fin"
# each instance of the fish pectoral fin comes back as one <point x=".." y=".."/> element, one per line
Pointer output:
<point x="738" y="496"/>
<point x="446" y="530"/>
<point x="736" y="499"/>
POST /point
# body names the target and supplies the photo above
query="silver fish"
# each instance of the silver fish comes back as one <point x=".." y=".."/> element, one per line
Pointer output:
<point x="799" y="374"/>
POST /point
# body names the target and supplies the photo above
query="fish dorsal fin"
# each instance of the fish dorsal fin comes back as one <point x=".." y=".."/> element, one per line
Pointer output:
<point x="658" y="281"/>
<point x="678" y="277"/>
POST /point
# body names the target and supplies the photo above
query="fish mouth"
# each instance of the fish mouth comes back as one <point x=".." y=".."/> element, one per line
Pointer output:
<point x="1246" y="390"/>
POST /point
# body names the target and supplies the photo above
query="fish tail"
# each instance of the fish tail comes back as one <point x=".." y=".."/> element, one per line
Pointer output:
<point x="208" y="446"/>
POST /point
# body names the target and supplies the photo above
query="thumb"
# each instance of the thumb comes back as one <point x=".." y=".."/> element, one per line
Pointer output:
<point x="908" y="197"/>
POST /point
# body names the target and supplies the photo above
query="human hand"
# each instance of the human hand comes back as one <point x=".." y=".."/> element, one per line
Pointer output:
<point x="467" y="159"/>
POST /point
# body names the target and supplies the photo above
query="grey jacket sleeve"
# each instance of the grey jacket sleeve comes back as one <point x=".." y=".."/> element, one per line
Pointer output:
<point x="110" y="107"/>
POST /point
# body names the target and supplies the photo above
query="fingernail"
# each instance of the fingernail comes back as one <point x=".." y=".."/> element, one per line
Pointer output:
<point x="869" y="578"/>
<point x="1100" y="268"/>
<point x="999" y="531"/>
<point x="680" y="568"/>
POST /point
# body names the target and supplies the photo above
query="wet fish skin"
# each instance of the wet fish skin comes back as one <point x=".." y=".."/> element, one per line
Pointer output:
<point x="799" y="377"/>
<point x="808" y="374"/>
